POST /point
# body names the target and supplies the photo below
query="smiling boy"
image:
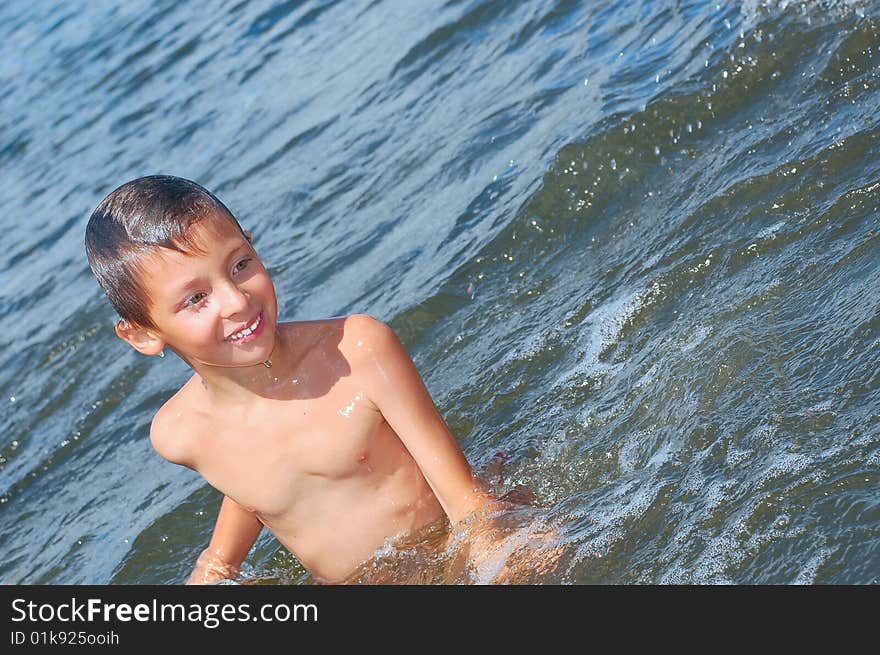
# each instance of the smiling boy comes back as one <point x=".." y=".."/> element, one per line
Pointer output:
<point x="322" y="431"/>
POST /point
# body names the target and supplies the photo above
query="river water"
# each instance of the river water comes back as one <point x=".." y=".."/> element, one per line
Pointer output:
<point x="634" y="246"/>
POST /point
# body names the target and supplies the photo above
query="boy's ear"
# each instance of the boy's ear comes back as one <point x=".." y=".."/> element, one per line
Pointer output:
<point x="143" y="340"/>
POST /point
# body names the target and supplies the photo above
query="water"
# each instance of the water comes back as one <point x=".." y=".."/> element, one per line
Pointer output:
<point x="634" y="246"/>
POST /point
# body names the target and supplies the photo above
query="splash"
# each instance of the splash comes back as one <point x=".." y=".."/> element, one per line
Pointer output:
<point x="512" y="546"/>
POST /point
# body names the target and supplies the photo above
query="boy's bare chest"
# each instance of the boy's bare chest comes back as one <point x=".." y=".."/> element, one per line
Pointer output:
<point x="281" y="454"/>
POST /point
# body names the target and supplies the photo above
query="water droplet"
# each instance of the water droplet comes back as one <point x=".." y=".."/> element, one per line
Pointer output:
<point x="12" y="399"/>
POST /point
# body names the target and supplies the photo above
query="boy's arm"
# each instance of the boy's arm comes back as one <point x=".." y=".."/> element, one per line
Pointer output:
<point x="396" y="388"/>
<point x="236" y="529"/>
<point x="235" y="532"/>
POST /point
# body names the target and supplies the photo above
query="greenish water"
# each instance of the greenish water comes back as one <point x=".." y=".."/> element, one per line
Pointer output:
<point x="634" y="246"/>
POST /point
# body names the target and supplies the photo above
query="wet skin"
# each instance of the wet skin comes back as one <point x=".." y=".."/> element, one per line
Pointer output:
<point x="335" y="447"/>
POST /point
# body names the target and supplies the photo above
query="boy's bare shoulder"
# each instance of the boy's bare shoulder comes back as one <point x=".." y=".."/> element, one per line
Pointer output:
<point x="364" y="332"/>
<point x="351" y="334"/>
<point x="174" y="426"/>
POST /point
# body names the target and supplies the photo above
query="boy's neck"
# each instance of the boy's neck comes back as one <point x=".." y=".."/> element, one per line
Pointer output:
<point x="231" y="385"/>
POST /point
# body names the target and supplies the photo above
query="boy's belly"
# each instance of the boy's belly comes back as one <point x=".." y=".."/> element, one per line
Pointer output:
<point x="348" y="523"/>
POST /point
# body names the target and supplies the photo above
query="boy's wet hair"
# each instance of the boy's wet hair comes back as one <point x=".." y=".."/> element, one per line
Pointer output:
<point x="132" y="222"/>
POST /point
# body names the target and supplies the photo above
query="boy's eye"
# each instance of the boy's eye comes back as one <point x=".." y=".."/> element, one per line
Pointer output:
<point x="240" y="266"/>
<point x="196" y="298"/>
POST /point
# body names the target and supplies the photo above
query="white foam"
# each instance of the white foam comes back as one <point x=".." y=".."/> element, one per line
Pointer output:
<point x="598" y="546"/>
<point x="661" y="455"/>
<point x="696" y="336"/>
<point x="771" y="231"/>
<point x="736" y="456"/>
<point x="722" y="552"/>
<point x="602" y="329"/>
<point x="530" y="347"/>
<point x="753" y="10"/>
<point x="807" y="574"/>
<point x="823" y="407"/>
<point x="784" y="464"/>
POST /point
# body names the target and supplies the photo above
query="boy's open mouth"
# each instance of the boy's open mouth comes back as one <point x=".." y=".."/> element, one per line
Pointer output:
<point x="248" y="333"/>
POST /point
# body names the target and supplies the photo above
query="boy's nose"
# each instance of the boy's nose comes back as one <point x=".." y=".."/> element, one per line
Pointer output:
<point x="234" y="300"/>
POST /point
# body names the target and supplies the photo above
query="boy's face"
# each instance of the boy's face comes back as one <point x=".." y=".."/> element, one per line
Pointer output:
<point x="217" y="308"/>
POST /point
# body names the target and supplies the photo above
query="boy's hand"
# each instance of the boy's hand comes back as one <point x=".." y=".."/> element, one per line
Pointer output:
<point x="501" y="542"/>
<point x="235" y="532"/>
<point x="211" y="568"/>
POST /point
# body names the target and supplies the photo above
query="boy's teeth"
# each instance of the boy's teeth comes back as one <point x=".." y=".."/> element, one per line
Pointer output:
<point x="247" y="331"/>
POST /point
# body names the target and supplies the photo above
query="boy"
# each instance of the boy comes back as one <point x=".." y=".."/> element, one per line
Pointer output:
<point x="321" y="430"/>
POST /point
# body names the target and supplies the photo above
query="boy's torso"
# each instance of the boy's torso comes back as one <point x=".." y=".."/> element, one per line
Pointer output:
<point x="317" y="464"/>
